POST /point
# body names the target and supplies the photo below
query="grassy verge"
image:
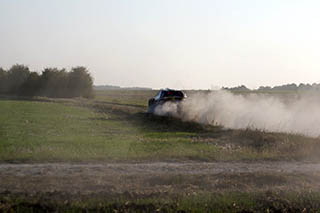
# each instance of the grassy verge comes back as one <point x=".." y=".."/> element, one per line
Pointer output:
<point x="209" y="202"/>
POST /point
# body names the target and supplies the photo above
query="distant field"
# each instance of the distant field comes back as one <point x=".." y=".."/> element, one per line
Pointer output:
<point x="114" y="127"/>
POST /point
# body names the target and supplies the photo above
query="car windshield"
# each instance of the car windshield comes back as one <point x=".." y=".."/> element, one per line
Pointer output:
<point x="172" y="93"/>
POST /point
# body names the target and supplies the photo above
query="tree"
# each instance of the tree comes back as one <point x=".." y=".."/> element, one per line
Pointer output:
<point x="3" y="81"/>
<point x="17" y="75"/>
<point x="80" y="83"/>
<point x="54" y="82"/>
<point x="31" y="86"/>
<point x="264" y="88"/>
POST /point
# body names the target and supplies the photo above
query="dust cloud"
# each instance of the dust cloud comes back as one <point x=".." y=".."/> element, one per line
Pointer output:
<point x="296" y="113"/>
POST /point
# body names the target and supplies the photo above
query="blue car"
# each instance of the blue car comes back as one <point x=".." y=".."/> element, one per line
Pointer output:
<point x="164" y="96"/>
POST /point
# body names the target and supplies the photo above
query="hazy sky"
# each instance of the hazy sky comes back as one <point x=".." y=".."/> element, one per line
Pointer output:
<point x="167" y="43"/>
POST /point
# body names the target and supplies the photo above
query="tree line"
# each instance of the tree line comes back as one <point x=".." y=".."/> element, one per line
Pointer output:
<point x="286" y="87"/>
<point x="51" y="82"/>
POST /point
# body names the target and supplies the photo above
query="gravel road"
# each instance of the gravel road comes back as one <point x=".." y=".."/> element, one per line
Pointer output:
<point x="158" y="177"/>
<point x="157" y="168"/>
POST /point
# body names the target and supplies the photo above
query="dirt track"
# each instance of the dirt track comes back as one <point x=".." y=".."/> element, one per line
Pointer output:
<point x="157" y="178"/>
<point x="158" y="168"/>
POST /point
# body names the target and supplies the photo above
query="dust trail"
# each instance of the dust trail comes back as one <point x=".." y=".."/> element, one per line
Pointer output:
<point x="169" y="108"/>
<point x="298" y="113"/>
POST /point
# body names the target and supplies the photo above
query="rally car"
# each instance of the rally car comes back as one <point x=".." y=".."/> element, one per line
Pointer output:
<point x="165" y="96"/>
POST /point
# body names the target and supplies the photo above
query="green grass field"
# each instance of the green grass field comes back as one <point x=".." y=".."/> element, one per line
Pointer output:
<point x="114" y="127"/>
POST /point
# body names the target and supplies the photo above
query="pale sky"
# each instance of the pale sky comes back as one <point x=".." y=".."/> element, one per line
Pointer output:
<point x="167" y="43"/>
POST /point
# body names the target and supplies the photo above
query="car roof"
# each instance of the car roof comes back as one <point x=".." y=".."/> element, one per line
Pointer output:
<point x="173" y="91"/>
<point x="167" y="90"/>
